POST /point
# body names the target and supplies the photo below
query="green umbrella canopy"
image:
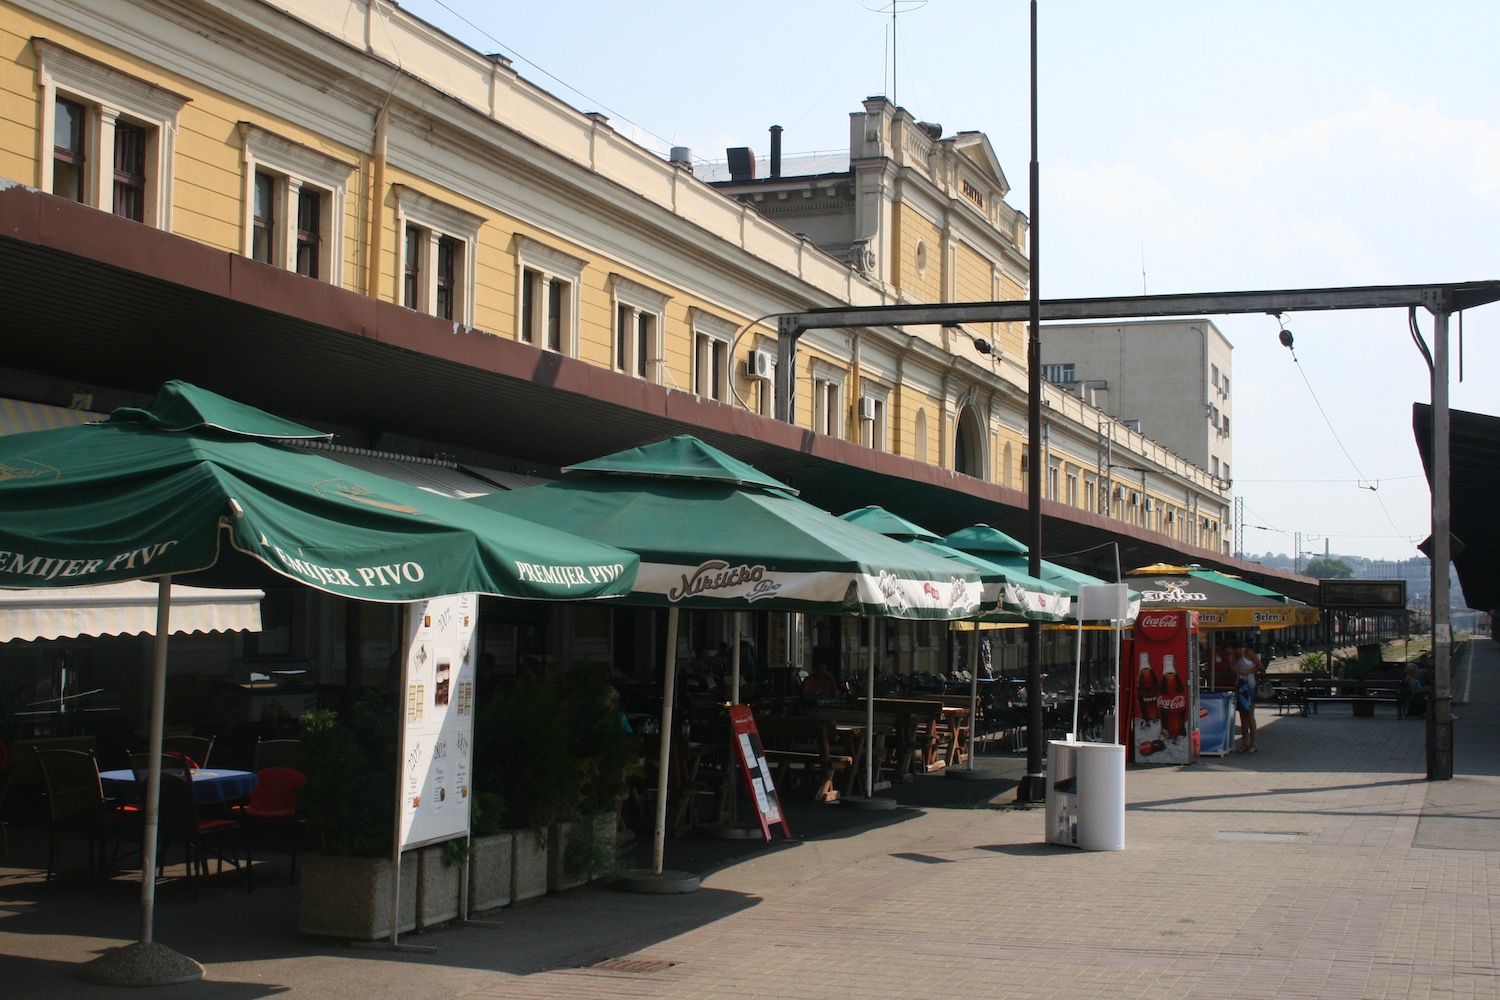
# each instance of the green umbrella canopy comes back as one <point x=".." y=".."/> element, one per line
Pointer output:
<point x="997" y="546"/>
<point x="1010" y="594"/>
<point x="714" y="533"/>
<point x="197" y="486"/>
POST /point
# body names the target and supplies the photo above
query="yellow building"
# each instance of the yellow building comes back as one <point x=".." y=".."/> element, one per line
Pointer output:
<point x="333" y="210"/>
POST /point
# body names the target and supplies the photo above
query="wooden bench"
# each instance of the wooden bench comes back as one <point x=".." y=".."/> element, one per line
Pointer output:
<point x="1350" y="692"/>
<point x="920" y="733"/>
<point x="887" y="728"/>
<point x="804" y="745"/>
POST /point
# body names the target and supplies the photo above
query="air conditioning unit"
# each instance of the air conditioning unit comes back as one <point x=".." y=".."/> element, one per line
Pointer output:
<point x="1171" y="516"/>
<point x="866" y="408"/>
<point x="1150" y="504"/>
<point x="761" y="364"/>
<point x="1119" y="493"/>
<point x="1135" y="498"/>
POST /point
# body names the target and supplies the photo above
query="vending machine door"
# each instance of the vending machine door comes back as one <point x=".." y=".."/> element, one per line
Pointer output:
<point x="1162" y="683"/>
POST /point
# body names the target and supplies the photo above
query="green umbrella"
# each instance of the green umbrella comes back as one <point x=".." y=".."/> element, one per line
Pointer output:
<point x="201" y="487"/>
<point x="714" y="533"/>
<point x="193" y="488"/>
<point x="1010" y="593"/>
<point x="1000" y="548"/>
<point x="1010" y="596"/>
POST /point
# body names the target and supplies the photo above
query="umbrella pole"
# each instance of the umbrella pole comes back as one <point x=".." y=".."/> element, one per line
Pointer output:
<point x="870" y="716"/>
<point x="663" y="764"/>
<point x="734" y="659"/>
<point x="152" y="800"/>
<point x="974" y="695"/>
<point x="1077" y="676"/>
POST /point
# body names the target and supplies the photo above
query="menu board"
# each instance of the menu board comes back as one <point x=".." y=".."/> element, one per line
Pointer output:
<point x="757" y="773"/>
<point x="437" y="731"/>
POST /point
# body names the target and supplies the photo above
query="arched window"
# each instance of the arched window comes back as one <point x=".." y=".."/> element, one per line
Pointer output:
<point x="968" y="444"/>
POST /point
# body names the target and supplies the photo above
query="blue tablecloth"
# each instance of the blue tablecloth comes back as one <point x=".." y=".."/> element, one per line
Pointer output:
<point x="210" y="785"/>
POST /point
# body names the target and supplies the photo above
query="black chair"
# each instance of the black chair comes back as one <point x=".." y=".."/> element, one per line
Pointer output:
<point x="272" y="809"/>
<point x="75" y="802"/>
<point x="277" y="753"/>
<point x="195" y="748"/>
<point x="5" y="776"/>
<point x="181" y="825"/>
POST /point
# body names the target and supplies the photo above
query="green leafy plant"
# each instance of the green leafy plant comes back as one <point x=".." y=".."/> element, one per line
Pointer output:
<point x="350" y="795"/>
<point x="601" y="748"/>
<point x="486" y="814"/>
<point x="521" y="753"/>
<point x="1310" y="662"/>
<point x="457" y="851"/>
<point x="590" y="853"/>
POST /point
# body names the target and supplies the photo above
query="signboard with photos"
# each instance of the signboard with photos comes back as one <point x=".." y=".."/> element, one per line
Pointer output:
<point x="437" y="719"/>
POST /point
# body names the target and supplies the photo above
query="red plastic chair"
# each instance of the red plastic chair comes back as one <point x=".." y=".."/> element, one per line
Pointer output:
<point x="272" y="807"/>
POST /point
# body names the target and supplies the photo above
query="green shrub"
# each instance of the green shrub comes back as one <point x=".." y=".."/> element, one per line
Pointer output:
<point x="521" y="753"/>
<point x="350" y="795"/>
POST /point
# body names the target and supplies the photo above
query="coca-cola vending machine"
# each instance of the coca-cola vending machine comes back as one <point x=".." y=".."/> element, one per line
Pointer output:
<point x="1161" y="684"/>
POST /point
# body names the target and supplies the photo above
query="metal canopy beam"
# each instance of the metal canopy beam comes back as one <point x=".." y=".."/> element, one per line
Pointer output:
<point x="1435" y="298"/>
<point x="1441" y="300"/>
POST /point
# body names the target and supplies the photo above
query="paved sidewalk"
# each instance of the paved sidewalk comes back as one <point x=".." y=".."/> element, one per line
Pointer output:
<point x="1324" y="866"/>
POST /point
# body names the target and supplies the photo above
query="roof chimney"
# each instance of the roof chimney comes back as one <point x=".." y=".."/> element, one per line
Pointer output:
<point x="776" y="151"/>
<point x="741" y="163"/>
<point x="682" y="158"/>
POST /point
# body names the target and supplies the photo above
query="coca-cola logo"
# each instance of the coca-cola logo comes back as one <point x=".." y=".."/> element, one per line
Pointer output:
<point x="1159" y="626"/>
<point x="1171" y="703"/>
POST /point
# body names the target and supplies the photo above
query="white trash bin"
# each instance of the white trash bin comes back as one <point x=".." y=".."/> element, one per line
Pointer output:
<point x="1086" y="795"/>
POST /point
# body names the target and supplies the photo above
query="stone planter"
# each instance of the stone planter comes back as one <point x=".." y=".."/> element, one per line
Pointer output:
<point x="582" y="851"/>
<point x="528" y="866"/>
<point x="560" y="875"/>
<point x="350" y="898"/>
<point x="489" y="872"/>
<point x="438" y="882"/>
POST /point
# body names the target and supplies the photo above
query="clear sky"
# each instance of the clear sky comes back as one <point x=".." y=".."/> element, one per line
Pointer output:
<point x="1183" y="147"/>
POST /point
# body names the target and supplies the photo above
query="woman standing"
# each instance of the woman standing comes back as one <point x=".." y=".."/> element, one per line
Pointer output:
<point x="1246" y="666"/>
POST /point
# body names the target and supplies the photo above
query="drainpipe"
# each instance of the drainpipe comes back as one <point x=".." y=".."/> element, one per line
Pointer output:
<point x="855" y="380"/>
<point x="377" y="195"/>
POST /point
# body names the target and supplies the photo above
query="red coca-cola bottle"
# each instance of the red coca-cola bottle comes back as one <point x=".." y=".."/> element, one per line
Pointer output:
<point x="1145" y="690"/>
<point x="1172" y="700"/>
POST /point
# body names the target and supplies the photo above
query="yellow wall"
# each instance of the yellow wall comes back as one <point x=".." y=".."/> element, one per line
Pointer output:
<point x="910" y="229"/>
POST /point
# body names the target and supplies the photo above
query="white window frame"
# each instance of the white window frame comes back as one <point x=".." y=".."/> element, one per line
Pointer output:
<point x="712" y="338"/>
<point x="548" y="264"/>
<point x="437" y="219"/>
<point x="828" y="399"/>
<point x="638" y="302"/>
<point x="875" y="433"/>
<point x="108" y="95"/>
<point x="765" y="400"/>
<point x="294" y="167"/>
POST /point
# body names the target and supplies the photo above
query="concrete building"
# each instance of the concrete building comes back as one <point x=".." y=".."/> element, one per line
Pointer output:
<point x="1169" y="380"/>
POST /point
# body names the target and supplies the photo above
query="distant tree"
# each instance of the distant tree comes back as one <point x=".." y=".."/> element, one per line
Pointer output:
<point x="1329" y="569"/>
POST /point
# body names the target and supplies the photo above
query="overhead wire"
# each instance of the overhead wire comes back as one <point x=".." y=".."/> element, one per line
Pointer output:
<point x="1375" y="488"/>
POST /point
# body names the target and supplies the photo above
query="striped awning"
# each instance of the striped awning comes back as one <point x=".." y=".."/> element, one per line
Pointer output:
<point x="18" y="416"/>
<point x="123" y="609"/>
